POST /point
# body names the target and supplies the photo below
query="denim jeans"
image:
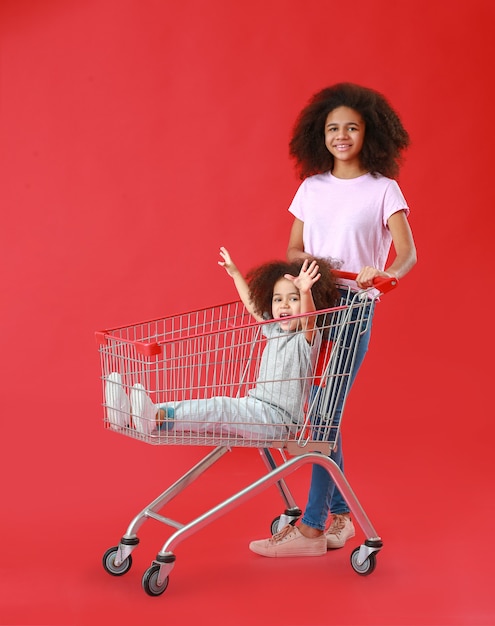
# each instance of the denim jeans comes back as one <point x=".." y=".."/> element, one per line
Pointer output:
<point x="323" y="494"/>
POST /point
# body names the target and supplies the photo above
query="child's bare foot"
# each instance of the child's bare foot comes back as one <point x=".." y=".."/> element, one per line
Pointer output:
<point x="165" y="418"/>
<point x="160" y="418"/>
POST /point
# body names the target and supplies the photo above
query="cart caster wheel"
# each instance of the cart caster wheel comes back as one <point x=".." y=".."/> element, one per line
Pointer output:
<point x="149" y="582"/>
<point x="364" y="569"/>
<point x="109" y="562"/>
<point x="274" y="526"/>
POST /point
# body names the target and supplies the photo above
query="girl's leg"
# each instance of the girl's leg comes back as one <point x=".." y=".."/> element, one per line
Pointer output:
<point x="220" y="415"/>
<point x="244" y="417"/>
<point x="320" y="494"/>
<point x="337" y="503"/>
<point x="323" y="495"/>
<point x="341" y="529"/>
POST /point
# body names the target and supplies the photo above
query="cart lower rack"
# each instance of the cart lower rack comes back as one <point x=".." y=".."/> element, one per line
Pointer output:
<point x="208" y="378"/>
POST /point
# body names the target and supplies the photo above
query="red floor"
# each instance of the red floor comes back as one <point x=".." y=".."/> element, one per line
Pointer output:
<point x="73" y="497"/>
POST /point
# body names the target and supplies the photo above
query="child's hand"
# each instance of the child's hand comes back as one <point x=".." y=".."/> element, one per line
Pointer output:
<point x="227" y="262"/>
<point x="308" y="275"/>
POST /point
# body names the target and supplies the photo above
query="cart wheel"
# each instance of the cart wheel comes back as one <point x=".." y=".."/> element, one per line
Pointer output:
<point x="109" y="562"/>
<point x="149" y="581"/>
<point x="274" y="525"/>
<point x="365" y="568"/>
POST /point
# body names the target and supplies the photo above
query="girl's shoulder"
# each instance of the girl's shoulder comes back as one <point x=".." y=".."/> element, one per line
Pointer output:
<point x="376" y="185"/>
<point x="270" y="328"/>
<point x="327" y="178"/>
<point x="324" y="177"/>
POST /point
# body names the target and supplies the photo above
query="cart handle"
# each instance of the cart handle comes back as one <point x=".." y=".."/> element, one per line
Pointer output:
<point x="383" y="285"/>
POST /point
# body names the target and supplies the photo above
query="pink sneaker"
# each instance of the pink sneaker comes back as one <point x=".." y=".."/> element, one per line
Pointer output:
<point x="290" y="542"/>
<point x="341" y="529"/>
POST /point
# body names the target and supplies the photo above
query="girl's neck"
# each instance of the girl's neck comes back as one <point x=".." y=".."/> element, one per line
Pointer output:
<point x="348" y="170"/>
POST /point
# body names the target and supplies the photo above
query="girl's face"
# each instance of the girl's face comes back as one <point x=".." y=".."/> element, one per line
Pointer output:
<point x="285" y="302"/>
<point x="344" y="137"/>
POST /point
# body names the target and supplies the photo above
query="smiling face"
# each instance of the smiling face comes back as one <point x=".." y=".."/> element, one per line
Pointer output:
<point x="286" y="302"/>
<point x="344" y="138"/>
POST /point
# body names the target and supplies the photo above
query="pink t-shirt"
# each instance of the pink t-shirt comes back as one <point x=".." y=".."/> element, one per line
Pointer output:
<point x="345" y="220"/>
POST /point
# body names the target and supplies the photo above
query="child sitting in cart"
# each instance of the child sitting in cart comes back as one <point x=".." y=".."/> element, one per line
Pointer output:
<point x="274" y="290"/>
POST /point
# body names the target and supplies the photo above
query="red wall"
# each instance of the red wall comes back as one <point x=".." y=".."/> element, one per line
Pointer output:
<point x="138" y="137"/>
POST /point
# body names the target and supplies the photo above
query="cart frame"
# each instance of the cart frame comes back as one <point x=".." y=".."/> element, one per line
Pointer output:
<point x="133" y="346"/>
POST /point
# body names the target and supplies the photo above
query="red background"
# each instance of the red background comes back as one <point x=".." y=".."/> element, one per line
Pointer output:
<point x="137" y="138"/>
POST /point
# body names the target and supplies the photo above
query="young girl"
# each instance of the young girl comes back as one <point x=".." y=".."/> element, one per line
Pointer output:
<point x="276" y="290"/>
<point x="347" y="143"/>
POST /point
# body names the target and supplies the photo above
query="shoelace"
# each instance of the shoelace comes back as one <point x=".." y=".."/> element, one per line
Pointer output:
<point x="337" y="525"/>
<point x="286" y="530"/>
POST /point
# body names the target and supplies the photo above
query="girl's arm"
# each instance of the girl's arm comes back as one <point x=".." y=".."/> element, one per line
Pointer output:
<point x="405" y="252"/>
<point x="295" y="249"/>
<point x="239" y="282"/>
<point x="308" y="275"/>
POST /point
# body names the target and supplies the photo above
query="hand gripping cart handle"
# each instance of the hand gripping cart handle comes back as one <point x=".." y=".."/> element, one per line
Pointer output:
<point x="202" y="378"/>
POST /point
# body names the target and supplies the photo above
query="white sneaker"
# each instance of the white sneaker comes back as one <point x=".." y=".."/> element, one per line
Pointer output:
<point x="143" y="410"/>
<point x="117" y="402"/>
<point x="341" y="529"/>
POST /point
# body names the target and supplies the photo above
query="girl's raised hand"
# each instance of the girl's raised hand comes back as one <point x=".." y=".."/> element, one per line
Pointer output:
<point x="227" y="262"/>
<point x="308" y="275"/>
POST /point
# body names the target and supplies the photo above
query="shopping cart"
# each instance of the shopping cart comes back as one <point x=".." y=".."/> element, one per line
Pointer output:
<point x="183" y="360"/>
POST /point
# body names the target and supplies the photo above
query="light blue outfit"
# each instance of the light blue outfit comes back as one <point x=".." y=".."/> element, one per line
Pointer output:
<point x="273" y="405"/>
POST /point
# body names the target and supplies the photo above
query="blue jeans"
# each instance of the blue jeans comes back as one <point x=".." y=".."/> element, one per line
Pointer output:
<point x="323" y="494"/>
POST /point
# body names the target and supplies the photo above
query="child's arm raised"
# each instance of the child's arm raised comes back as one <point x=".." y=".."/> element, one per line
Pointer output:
<point x="239" y="281"/>
<point x="308" y="276"/>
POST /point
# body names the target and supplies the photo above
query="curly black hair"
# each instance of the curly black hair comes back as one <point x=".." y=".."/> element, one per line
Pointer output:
<point x="384" y="140"/>
<point x="261" y="281"/>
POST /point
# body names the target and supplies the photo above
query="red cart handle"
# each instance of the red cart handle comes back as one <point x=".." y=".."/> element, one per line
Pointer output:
<point x="384" y="284"/>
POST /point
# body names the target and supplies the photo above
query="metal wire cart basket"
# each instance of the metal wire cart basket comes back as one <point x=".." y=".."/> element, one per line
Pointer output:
<point x="198" y="379"/>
